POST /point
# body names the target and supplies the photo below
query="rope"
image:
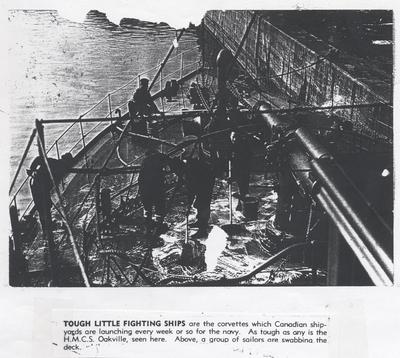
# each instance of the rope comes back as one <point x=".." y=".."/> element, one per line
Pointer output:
<point x="202" y="99"/>
<point x="158" y="140"/>
<point x="63" y="216"/>
<point x="125" y="164"/>
<point x="139" y="269"/>
<point x="310" y="212"/>
<point x="123" y="256"/>
<point x="234" y="91"/>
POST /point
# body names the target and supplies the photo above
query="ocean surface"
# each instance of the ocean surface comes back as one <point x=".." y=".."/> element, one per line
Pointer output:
<point x="59" y="69"/>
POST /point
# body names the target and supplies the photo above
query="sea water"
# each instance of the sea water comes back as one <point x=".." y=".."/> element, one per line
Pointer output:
<point x="59" y="69"/>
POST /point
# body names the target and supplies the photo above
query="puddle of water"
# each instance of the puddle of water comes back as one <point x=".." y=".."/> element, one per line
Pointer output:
<point x="215" y="245"/>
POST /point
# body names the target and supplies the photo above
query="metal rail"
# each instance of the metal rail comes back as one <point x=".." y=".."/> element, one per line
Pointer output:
<point x="359" y="224"/>
<point x="183" y="114"/>
<point x="184" y="65"/>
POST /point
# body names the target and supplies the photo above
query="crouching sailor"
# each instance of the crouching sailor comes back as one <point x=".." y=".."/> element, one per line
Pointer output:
<point x="142" y="106"/>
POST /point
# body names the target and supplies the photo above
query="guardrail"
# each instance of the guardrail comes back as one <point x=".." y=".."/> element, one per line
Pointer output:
<point x="364" y="230"/>
<point x="177" y="66"/>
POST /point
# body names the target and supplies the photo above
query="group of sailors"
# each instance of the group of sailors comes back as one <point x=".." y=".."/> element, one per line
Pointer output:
<point x="196" y="169"/>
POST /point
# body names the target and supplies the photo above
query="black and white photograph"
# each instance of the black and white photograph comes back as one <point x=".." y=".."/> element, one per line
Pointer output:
<point x="219" y="173"/>
<point x="254" y="148"/>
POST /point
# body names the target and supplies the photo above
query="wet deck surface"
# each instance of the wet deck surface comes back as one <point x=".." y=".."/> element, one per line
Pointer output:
<point x="217" y="256"/>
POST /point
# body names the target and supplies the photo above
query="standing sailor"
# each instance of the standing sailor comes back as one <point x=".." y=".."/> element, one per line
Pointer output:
<point x="199" y="178"/>
<point x="152" y="189"/>
<point x="41" y="183"/>
<point x="241" y="164"/>
<point x="194" y="97"/>
<point x="241" y="152"/>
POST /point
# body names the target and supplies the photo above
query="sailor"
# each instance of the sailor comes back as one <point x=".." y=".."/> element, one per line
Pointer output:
<point x="171" y="89"/>
<point x="241" y="163"/>
<point x="235" y="117"/>
<point x="152" y="188"/>
<point x="168" y="91"/>
<point x="220" y="123"/>
<point x="241" y="152"/>
<point x="41" y="183"/>
<point x="142" y="103"/>
<point x="199" y="178"/>
<point x="222" y="100"/>
<point x="194" y="96"/>
<point x="336" y="131"/>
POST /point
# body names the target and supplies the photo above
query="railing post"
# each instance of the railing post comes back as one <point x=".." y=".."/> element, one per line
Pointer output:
<point x="40" y="133"/>
<point x="97" y="186"/>
<point x="181" y="66"/>
<point x="45" y="210"/>
<point x="84" y="146"/>
<point x="58" y="157"/>
<point x="161" y="79"/>
<point x="109" y="107"/>
<point x="82" y="134"/>
<point x="57" y="149"/>
<point x="182" y="95"/>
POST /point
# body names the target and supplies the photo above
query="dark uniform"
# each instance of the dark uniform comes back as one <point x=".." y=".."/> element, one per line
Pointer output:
<point x="194" y="96"/>
<point x="143" y="103"/>
<point x="41" y="183"/>
<point x="222" y="101"/>
<point x="200" y="179"/>
<point x="241" y="162"/>
<point x="152" y="185"/>
<point x="242" y="154"/>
